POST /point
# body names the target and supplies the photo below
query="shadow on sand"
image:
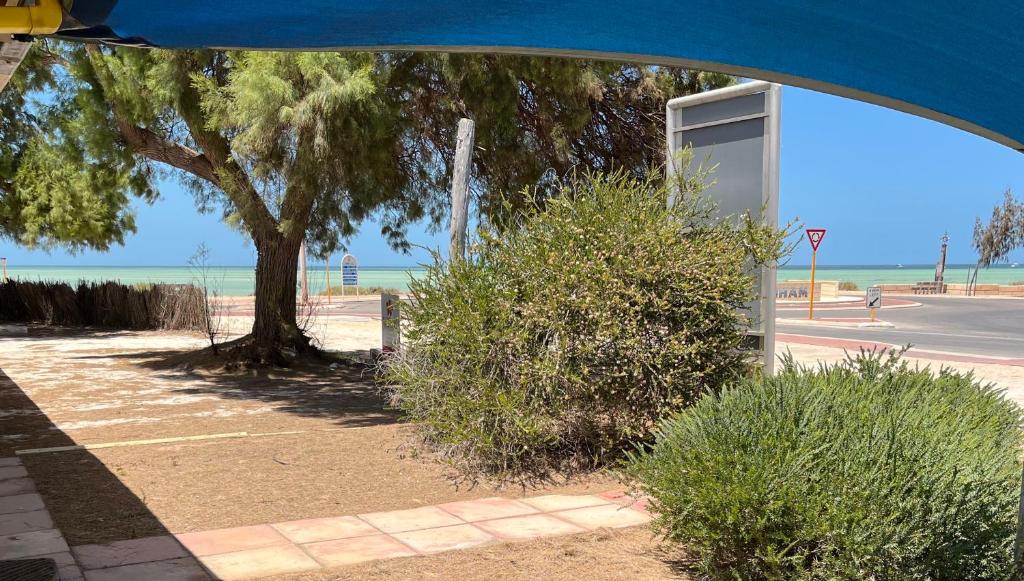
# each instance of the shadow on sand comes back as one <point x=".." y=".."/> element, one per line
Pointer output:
<point x="342" y="389"/>
<point x="73" y="484"/>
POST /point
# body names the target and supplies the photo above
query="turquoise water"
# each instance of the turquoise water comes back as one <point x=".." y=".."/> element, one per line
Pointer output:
<point x="239" y="280"/>
<point x="866" y="276"/>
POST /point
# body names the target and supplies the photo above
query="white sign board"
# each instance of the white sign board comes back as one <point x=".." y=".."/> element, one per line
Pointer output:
<point x="873" y="299"/>
<point x="390" y="329"/>
<point x="737" y="128"/>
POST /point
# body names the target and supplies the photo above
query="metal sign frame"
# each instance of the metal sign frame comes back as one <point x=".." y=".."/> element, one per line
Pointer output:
<point x="738" y="108"/>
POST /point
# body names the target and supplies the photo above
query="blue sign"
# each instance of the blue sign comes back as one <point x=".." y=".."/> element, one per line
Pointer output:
<point x="349" y="271"/>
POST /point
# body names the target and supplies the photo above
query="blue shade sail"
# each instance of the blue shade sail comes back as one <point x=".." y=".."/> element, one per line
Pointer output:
<point x="954" y="61"/>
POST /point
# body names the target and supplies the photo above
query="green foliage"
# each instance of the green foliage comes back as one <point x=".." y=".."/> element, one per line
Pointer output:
<point x="538" y="119"/>
<point x="360" y="134"/>
<point x="571" y="333"/>
<point x="1003" y="234"/>
<point x="862" y="470"/>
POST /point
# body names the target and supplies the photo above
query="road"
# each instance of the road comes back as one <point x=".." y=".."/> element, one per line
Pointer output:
<point x="979" y="326"/>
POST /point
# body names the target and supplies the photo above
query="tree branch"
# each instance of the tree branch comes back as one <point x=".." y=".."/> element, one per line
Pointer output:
<point x="214" y="164"/>
<point x="144" y="142"/>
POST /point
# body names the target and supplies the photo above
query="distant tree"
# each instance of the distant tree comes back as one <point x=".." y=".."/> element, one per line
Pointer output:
<point x="305" y="146"/>
<point x="1003" y="234"/>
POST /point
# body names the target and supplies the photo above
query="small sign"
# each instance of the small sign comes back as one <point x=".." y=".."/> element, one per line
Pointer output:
<point x="873" y="299"/>
<point x="815" y="235"/>
<point x="349" y="271"/>
<point x="390" y="323"/>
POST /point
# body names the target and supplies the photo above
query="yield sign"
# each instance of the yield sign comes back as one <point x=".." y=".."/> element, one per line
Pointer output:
<point x="815" y="235"/>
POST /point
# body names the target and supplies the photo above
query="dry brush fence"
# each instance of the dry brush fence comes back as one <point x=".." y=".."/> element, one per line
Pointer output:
<point x="109" y="305"/>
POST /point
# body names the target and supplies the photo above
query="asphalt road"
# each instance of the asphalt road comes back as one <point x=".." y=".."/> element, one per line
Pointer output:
<point x="978" y="326"/>
<point x="993" y="327"/>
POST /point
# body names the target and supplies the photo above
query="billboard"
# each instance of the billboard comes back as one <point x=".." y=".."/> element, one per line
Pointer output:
<point x="737" y="128"/>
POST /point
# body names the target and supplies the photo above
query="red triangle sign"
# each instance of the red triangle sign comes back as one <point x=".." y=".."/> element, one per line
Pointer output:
<point x="815" y="235"/>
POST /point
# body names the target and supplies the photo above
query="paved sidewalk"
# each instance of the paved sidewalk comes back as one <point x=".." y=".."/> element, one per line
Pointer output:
<point x="320" y="543"/>
<point x="26" y="529"/>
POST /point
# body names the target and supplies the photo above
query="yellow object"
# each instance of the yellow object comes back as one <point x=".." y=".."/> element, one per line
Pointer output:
<point x="814" y="260"/>
<point x="43" y="18"/>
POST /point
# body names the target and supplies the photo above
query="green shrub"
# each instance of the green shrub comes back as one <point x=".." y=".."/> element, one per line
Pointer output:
<point x="862" y="470"/>
<point x="848" y="285"/>
<point x="574" y="331"/>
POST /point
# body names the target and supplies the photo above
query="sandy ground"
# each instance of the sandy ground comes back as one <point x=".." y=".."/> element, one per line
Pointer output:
<point x="310" y="442"/>
<point x="303" y="443"/>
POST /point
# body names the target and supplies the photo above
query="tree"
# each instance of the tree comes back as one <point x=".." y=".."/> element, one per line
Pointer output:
<point x="1003" y="234"/>
<point x="270" y="138"/>
<point x="305" y="146"/>
<point x="540" y="118"/>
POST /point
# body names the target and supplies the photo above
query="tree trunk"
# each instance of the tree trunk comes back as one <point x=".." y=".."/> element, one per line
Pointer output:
<point x="276" y="327"/>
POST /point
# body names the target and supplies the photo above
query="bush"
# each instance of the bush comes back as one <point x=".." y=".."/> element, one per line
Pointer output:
<point x="572" y="333"/>
<point x="863" y="470"/>
<point x="848" y="285"/>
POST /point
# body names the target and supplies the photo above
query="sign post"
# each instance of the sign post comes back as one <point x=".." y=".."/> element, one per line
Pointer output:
<point x="349" y="272"/>
<point x="815" y="235"/>
<point x="390" y="331"/>
<point x="873" y="300"/>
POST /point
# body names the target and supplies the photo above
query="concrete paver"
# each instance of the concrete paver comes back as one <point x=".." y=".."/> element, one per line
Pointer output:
<point x="231" y="540"/>
<point x="610" y="516"/>
<point x="16" y="471"/>
<point x="358" y="550"/>
<point x="532" y="526"/>
<point x="553" y="502"/>
<point x="32" y="544"/>
<point x="445" y="538"/>
<point x="398" y="521"/>
<point x="325" y="529"/>
<point x="24" y="522"/>
<point x="309" y="544"/>
<point x="13" y="486"/>
<point x="187" y="569"/>
<point x="488" y="509"/>
<point x="273" y="560"/>
<point x="21" y="503"/>
<point x="129" y="552"/>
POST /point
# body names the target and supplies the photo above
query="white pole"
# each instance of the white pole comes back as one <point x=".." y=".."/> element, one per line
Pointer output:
<point x="460" y="188"/>
<point x="302" y="273"/>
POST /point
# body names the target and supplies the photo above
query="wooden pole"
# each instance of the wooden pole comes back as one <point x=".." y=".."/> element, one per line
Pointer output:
<point x="460" y="189"/>
<point x="814" y="260"/>
<point x="302" y="273"/>
<point x="3" y="261"/>
<point x="327" y="273"/>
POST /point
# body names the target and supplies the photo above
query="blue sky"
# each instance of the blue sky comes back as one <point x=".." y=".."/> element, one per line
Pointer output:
<point x="885" y="184"/>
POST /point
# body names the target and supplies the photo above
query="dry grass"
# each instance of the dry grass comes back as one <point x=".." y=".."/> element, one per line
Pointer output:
<point x="109" y="305"/>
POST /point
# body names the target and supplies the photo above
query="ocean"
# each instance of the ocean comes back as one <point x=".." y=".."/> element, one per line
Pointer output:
<point x="239" y="280"/>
